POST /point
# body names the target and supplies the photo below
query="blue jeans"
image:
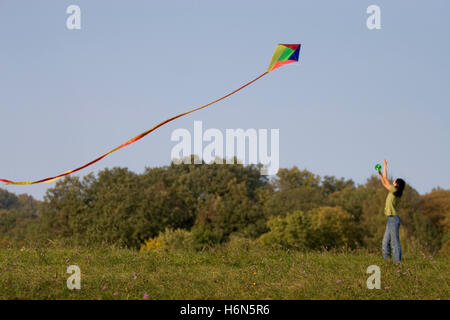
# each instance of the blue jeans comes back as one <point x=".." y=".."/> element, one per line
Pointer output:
<point x="391" y="236"/>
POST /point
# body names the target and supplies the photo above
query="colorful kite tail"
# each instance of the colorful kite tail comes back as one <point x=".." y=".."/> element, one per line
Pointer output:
<point x="133" y="140"/>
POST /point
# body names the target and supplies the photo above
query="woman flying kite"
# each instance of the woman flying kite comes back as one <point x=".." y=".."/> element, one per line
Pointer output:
<point x="391" y="235"/>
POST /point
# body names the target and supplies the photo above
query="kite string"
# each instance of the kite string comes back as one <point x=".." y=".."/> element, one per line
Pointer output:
<point x="133" y="140"/>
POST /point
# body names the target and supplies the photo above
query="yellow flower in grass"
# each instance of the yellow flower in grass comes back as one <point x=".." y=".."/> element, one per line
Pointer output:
<point x="150" y="245"/>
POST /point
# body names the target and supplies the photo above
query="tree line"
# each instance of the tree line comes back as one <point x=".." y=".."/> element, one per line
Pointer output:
<point x="210" y="203"/>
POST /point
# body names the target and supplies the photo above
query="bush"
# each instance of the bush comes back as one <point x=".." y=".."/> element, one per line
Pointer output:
<point x="239" y="243"/>
<point x="292" y="231"/>
<point x="426" y="233"/>
<point x="170" y="240"/>
<point x="151" y="244"/>
<point x="324" y="227"/>
<point x="333" y="227"/>
<point x="179" y="239"/>
<point x="205" y="235"/>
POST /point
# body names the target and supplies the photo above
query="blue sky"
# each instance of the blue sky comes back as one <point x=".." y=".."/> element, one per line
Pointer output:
<point x="357" y="96"/>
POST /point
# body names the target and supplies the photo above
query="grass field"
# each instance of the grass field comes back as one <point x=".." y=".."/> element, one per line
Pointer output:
<point x="227" y="272"/>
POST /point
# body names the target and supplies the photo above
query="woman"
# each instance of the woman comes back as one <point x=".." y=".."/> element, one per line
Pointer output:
<point x="391" y="234"/>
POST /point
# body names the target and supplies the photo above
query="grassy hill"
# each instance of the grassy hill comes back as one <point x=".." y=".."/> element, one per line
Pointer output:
<point x="237" y="270"/>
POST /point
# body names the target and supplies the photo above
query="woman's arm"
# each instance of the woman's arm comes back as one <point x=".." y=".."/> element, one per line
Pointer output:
<point x="383" y="177"/>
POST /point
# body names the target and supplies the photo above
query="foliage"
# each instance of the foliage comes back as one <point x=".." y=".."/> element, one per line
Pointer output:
<point x="151" y="245"/>
<point x="324" y="227"/>
<point x="292" y="231"/>
<point x="211" y="204"/>
<point x="171" y="240"/>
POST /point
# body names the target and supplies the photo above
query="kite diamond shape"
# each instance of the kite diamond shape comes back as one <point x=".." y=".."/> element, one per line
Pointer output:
<point x="284" y="54"/>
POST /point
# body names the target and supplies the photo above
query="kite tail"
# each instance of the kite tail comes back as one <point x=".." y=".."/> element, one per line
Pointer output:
<point x="138" y="137"/>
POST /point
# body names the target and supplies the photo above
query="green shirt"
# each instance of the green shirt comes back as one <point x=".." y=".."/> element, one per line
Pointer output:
<point x="390" y="209"/>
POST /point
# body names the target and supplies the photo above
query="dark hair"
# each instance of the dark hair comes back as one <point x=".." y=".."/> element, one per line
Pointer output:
<point x="400" y="187"/>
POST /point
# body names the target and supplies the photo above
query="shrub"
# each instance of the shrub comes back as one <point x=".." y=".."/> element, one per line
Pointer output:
<point x="239" y="243"/>
<point x="426" y="233"/>
<point x="169" y="239"/>
<point x="333" y="227"/>
<point x="179" y="239"/>
<point x="324" y="227"/>
<point x="151" y="244"/>
<point x="292" y="231"/>
<point x="205" y="235"/>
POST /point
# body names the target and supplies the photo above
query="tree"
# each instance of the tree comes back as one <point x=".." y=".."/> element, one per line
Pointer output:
<point x="294" y="189"/>
<point x="8" y="200"/>
<point x="234" y="212"/>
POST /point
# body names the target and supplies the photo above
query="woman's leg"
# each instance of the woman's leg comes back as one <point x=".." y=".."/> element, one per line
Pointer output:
<point x="387" y="242"/>
<point x="395" y="238"/>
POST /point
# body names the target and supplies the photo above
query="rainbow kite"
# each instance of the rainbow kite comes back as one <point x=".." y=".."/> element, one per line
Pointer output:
<point x="284" y="54"/>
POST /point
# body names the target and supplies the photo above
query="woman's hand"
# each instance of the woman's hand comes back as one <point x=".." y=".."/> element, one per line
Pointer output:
<point x="384" y="163"/>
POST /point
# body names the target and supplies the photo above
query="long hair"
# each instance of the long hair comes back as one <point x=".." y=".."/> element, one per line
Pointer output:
<point x="400" y="187"/>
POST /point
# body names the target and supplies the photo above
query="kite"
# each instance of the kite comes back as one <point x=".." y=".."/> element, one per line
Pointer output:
<point x="284" y="54"/>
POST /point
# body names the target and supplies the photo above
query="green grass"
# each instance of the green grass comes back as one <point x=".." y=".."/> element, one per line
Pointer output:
<point x="228" y="272"/>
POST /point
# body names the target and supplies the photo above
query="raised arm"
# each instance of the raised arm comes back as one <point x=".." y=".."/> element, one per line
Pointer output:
<point x="383" y="177"/>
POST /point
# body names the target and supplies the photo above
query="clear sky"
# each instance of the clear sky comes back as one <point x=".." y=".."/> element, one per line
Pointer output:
<point x="356" y="96"/>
